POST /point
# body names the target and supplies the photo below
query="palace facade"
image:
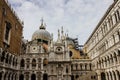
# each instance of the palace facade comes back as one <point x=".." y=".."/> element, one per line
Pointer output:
<point x="42" y="58"/>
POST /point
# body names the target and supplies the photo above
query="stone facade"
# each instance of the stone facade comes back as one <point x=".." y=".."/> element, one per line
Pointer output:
<point x="42" y="58"/>
<point x="10" y="41"/>
<point x="103" y="45"/>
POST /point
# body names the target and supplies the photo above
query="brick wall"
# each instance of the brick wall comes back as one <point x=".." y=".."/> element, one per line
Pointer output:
<point x="16" y="30"/>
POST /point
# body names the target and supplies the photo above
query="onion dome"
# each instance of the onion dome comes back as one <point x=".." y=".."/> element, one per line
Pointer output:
<point x="42" y="34"/>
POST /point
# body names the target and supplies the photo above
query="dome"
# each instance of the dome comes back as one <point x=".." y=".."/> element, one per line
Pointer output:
<point x="41" y="34"/>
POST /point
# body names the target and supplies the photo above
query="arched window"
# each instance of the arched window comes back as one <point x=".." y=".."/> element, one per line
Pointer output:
<point x="72" y="77"/>
<point x="118" y="74"/>
<point x="80" y="66"/>
<point x="67" y="69"/>
<point x="3" y="56"/>
<point x="111" y="58"/>
<point x="90" y="66"/>
<point x="16" y="62"/>
<point x="0" y="75"/>
<point x="13" y="62"/>
<point x="72" y="67"/>
<point x="111" y="75"/>
<point x="33" y="77"/>
<point x="70" y="54"/>
<point x="21" y="77"/>
<point x="77" y="76"/>
<point x="103" y="76"/>
<point x="33" y="63"/>
<point x="118" y="52"/>
<point x="76" y="66"/>
<point x="10" y="59"/>
<point x="5" y="75"/>
<point x="115" y="56"/>
<point x="45" y="76"/>
<point x="85" y="66"/>
<point x="6" y="61"/>
<point x="114" y="76"/>
<point x="22" y="63"/>
<point x="45" y="62"/>
<point x="12" y="77"/>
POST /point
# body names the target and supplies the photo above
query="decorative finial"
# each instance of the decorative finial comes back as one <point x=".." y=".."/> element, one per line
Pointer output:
<point x="62" y="30"/>
<point x="58" y="33"/>
<point x="42" y="26"/>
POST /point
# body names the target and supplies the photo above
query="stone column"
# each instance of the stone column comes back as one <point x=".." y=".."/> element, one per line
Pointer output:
<point x="3" y="76"/>
<point x="107" y="77"/>
<point x="117" y="76"/>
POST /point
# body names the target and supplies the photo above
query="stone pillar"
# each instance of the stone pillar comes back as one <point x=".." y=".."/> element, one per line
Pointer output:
<point x="3" y="76"/>
<point x="107" y="77"/>
<point x="117" y="76"/>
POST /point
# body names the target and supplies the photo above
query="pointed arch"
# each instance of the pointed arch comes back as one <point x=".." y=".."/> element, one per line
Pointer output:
<point x="70" y="53"/>
<point x="45" y="76"/>
<point x="22" y="63"/>
<point x="1" y="75"/>
<point x="103" y="76"/>
<point x="33" y="63"/>
<point x="72" y="77"/>
<point x="33" y="77"/>
<point x="21" y="77"/>
<point x="7" y="57"/>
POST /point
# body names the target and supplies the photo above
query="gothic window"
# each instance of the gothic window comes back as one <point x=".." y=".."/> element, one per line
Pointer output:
<point x="16" y="62"/>
<point x="72" y="67"/>
<point x="45" y="76"/>
<point x="66" y="69"/>
<point x="45" y="62"/>
<point x="4" y="11"/>
<point x="28" y="62"/>
<point x="114" y="19"/>
<point x="118" y="52"/>
<point x="10" y="59"/>
<point x="7" y="32"/>
<point x="103" y="76"/>
<point x="70" y="53"/>
<point x="90" y="66"/>
<point x="33" y="63"/>
<point x="118" y="14"/>
<point x="33" y="77"/>
<point x="22" y="63"/>
<point x="85" y="66"/>
<point x="76" y="66"/>
<point x="72" y="77"/>
<point x="7" y="58"/>
<point x="21" y="77"/>
<point x="3" y="56"/>
<point x="13" y="63"/>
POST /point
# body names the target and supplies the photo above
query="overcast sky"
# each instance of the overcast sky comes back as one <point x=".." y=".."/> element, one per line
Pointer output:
<point x="78" y="17"/>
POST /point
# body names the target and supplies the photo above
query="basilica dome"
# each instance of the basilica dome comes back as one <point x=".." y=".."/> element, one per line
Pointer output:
<point x="42" y="34"/>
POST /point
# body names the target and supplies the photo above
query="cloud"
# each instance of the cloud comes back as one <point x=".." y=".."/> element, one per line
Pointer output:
<point x="78" y="17"/>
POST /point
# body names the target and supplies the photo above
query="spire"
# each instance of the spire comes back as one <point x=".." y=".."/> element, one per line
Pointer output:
<point x="42" y="26"/>
<point x="58" y="34"/>
<point x="58" y="40"/>
<point x="62" y="33"/>
<point x="62" y="30"/>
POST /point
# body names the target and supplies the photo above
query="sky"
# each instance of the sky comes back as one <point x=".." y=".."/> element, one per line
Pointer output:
<point x="78" y="17"/>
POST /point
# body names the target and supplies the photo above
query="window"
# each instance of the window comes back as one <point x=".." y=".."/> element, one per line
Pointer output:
<point x="67" y="69"/>
<point x="7" y="32"/>
<point x="33" y="63"/>
<point x="4" y="11"/>
<point x="22" y="63"/>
